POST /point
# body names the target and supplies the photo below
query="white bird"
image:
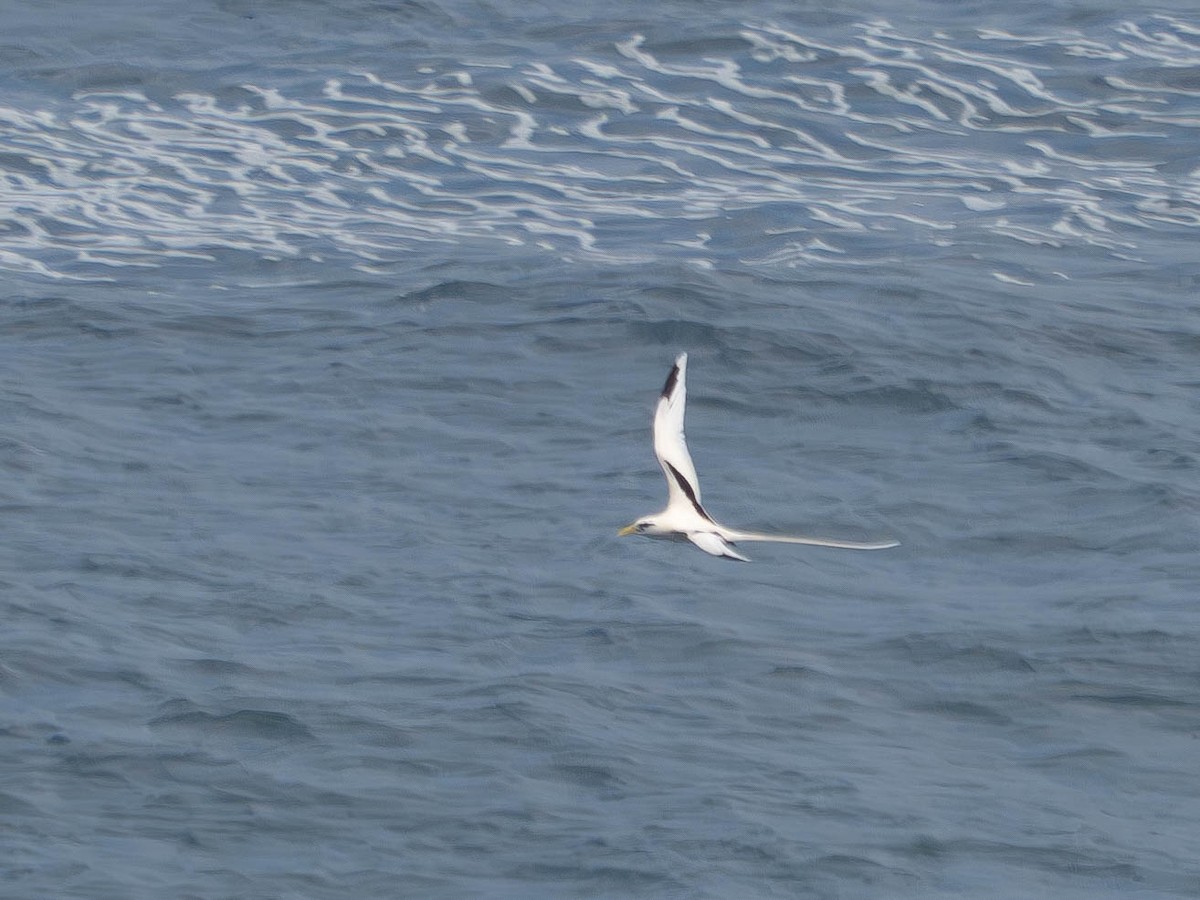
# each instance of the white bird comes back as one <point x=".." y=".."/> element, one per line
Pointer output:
<point x="684" y="517"/>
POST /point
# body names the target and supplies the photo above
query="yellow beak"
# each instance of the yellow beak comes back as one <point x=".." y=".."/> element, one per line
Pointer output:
<point x="627" y="530"/>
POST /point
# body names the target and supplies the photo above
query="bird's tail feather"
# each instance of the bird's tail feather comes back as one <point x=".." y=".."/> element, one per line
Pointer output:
<point x="736" y="536"/>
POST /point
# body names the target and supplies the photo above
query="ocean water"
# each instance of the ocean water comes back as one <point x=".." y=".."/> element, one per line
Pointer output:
<point x="329" y="339"/>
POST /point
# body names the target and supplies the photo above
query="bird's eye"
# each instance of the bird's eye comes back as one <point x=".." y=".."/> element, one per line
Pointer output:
<point x="642" y="526"/>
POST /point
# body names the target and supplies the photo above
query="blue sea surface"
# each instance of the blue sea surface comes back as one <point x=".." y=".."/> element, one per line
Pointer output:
<point x="329" y="340"/>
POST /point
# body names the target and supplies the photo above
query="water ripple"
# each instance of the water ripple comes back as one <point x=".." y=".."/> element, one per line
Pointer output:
<point x="841" y="144"/>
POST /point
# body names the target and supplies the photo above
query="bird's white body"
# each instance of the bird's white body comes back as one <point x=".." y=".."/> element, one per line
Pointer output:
<point x="684" y="517"/>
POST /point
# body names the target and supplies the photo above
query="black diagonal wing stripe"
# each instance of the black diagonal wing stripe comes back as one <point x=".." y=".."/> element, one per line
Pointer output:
<point x="672" y="379"/>
<point x="687" y="490"/>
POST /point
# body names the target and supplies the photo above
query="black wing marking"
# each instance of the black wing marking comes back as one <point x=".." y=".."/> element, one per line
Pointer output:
<point x="687" y="490"/>
<point x="672" y="378"/>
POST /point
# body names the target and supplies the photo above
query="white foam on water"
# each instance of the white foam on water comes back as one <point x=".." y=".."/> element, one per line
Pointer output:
<point x="558" y="156"/>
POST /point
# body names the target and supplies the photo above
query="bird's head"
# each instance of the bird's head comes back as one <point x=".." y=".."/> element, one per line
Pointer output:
<point x="641" y="526"/>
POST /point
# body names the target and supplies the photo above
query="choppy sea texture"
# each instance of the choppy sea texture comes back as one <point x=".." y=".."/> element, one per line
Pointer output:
<point x="329" y="338"/>
<point x="855" y="143"/>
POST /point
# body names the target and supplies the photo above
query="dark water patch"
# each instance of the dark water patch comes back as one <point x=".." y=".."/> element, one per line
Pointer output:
<point x="591" y="878"/>
<point x="1135" y="699"/>
<point x="217" y="667"/>
<point x="842" y="868"/>
<point x="14" y="806"/>
<point x="476" y="292"/>
<point x="105" y="768"/>
<point x="675" y="333"/>
<point x="935" y="650"/>
<point x="48" y="318"/>
<point x="590" y="777"/>
<point x="244" y="723"/>
<point x="966" y="711"/>
<point x="1151" y="638"/>
<point x="917" y="398"/>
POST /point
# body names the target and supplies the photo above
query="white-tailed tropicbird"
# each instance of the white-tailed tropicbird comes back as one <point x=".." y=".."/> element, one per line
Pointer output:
<point x="684" y="517"/>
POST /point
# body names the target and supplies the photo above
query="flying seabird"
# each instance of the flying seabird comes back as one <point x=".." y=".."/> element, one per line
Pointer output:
<point x="684" y="517"/>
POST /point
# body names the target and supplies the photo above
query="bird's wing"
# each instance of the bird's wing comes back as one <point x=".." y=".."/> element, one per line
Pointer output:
<point x="711" y="542"/>
<point x="731" y="535"/>
<point x="670" y="446"/>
